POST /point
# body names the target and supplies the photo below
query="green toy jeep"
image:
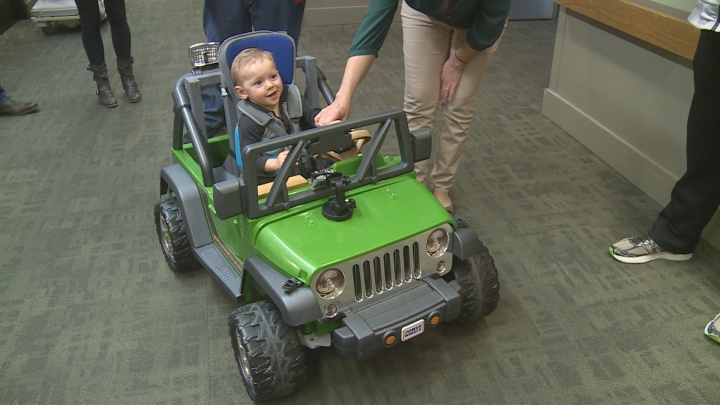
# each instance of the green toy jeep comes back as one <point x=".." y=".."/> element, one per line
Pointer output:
<point x="359" y="256"/>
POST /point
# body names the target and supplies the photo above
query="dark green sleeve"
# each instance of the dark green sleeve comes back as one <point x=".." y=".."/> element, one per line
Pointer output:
<point x="374" y="28"/>
<point x="489" y="24"/>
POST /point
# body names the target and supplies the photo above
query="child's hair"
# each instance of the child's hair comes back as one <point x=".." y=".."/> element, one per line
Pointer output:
<point x="245" y="58"/>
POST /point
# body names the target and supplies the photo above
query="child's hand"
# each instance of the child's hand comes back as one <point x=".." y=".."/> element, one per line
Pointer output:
<point x="275" y="164"/>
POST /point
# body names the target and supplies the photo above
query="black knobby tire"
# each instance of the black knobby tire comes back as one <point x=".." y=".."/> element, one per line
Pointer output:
<point x="173" y="237"/>
<point x="267" y="350"/>
<point x="479" y="285"/>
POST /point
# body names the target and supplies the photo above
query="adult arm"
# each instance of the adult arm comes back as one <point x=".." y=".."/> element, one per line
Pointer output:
<point x="363" y="51"/>
<point x="355" y="70"/>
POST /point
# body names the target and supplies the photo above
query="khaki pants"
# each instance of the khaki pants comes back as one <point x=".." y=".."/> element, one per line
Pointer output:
<point x="427" y="44"/>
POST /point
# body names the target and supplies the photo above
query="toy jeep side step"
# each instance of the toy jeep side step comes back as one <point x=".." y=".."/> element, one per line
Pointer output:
<point x="215" y="262"/>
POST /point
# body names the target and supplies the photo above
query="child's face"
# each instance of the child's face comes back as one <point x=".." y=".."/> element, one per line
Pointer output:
<point x="261" y="84"/>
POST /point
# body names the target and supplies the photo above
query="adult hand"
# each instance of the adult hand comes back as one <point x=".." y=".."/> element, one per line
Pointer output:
<point x="338" y="111"/>
<point x="450" y="78"/>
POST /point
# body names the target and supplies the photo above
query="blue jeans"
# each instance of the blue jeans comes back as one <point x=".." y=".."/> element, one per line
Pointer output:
<point x="223" y="19"/>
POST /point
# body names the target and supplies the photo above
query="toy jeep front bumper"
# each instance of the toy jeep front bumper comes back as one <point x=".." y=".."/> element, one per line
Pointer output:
<point x="397" y="318"/>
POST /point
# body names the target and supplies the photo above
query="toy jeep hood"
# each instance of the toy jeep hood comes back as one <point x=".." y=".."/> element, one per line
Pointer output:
<point x="305" y="241"/>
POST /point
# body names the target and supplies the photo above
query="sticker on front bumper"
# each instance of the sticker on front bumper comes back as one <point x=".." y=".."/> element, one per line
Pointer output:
<point x="410" y="331"/>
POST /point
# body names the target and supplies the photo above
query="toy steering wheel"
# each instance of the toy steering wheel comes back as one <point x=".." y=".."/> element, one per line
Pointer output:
<point x="359" y="137"/>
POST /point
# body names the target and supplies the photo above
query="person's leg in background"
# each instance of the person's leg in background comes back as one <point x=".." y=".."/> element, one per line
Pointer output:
<point x="12" y="107"/>
<point x="425" y="48"/>
<point x="427" y="45"/>
<point x="120" y="32"/>
<point x="89" y="12"/>
<point x="221" y="20"/>
<point x="456" y="116"/>
<point x="696" y="196"/>
<point x="278" y="15"/>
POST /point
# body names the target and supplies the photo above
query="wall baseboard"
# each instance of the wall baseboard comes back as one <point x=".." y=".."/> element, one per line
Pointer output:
<point x="646" y="174"/>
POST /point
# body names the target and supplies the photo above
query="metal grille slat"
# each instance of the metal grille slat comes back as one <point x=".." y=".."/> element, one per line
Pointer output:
<point x="388" y="271"/>
<point x="383" y="272"/>
<point x="416" y="260"/>
<point x="377" y="270"/>
<point x="357" y="280"/>
<point x="367" y="279"/>
<point x="406" y="263"/>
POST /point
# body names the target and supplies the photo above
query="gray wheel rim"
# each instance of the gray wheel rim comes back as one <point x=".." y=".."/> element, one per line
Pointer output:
<point x="243" y="358"/>
<point x="167" y="244"/>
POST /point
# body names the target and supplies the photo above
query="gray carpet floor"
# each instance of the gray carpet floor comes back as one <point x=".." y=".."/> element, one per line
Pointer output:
<point x="90" y="313"/>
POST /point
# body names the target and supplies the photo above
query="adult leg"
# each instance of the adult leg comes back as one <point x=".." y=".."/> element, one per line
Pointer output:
<point x="278" y="15"/>
<point x="457" y="114"/>
<point x="696" y="196"/>
<point x="12" y="107"/>
<point x="120" y="31"/>
<point x="89" y="13"/>
<point x="222" y="19"/>
<point x="425" y="47"/>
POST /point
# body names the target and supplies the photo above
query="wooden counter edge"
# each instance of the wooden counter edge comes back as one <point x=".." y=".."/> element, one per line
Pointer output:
<point x="668" y="32"/>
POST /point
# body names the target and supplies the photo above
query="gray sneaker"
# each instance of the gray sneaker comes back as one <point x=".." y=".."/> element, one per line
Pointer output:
<point x="712" y="330"/>
<point x="642" y="249"/>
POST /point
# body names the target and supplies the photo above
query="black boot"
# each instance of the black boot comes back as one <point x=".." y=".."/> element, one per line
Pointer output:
<point x="128" y="80"/>
<point x="104" y="93"/>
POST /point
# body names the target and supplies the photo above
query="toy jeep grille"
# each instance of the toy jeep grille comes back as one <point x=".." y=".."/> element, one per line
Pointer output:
<point x="385" y="271"/>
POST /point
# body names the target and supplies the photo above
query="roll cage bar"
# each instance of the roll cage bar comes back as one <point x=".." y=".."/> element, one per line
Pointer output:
<point x="240" y="195"/>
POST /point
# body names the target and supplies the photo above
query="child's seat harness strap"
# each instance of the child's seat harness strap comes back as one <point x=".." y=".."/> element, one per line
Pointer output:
<point x="292" y="108"/>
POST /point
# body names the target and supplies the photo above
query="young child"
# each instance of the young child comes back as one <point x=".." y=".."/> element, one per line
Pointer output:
<point x="268" y="109"/>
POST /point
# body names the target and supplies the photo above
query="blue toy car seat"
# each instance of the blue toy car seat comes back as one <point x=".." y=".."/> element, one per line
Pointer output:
<point x="282" y="48"/>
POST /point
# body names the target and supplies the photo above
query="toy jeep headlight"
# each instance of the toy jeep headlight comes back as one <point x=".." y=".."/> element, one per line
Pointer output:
<point x="330" y="283"/>
<point x="204" y="54"/>
<point x="437" y="242"/>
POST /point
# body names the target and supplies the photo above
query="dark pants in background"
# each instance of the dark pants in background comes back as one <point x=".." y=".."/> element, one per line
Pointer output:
<point x="90" y="23"/>
<point x="696" y="196"/>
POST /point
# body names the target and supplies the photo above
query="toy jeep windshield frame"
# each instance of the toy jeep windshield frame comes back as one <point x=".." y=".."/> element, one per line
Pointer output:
<point x="413" y="147"/>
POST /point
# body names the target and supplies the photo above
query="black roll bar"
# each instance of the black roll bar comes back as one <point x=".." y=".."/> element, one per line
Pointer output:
<point x="184" y="117"/>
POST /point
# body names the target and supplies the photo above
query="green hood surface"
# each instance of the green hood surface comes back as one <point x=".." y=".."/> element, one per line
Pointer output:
<point x="305" y="242"/>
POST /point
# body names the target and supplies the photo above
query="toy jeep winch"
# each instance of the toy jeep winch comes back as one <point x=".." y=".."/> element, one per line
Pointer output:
<point x="359" y="256"/>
